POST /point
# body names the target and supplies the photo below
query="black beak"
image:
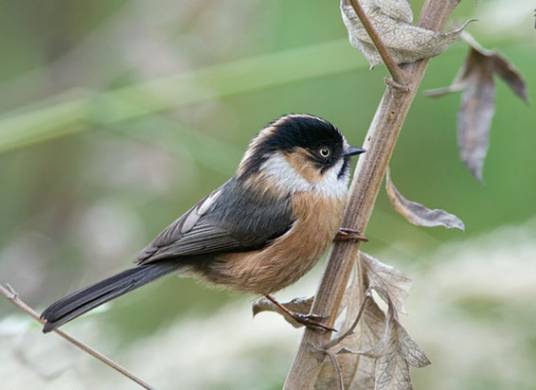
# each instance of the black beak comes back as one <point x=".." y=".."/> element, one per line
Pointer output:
<point x="352" y="151"/>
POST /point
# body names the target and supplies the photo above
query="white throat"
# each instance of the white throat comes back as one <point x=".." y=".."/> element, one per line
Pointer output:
<point x="289" y="180"/>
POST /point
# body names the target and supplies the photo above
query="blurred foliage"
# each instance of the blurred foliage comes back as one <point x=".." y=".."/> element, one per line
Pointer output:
<point x="116" y="116"/>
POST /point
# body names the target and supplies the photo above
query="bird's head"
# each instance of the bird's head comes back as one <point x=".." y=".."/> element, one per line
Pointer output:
<point x="299" y="152"/>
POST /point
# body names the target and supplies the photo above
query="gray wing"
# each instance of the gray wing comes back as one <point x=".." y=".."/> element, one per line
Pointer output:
<point x="232" y="218"/>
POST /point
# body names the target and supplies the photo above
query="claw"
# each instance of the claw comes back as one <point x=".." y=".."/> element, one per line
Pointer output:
<point x="312" y="321"/>
<point x="348" y="234"/>
<point x="314" y="317"/>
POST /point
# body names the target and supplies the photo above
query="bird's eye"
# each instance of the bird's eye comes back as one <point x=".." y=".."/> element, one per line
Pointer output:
<point x="324" y="151"/>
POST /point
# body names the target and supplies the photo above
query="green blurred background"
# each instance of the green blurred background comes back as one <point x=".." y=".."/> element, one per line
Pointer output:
<point x="116" y="116"/>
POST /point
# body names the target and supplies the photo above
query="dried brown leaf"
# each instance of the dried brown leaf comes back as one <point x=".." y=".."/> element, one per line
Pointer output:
<point x="297" y="305"/>
<point x="394" y="352"/>
<point x="388" y="278"/>
<point x="394" y="338"/>
<point x="478" y="100"/>
<point x="378" y="355"/>
<point x="501" y="66"/>
<point x="418" y="214"/>
<point x="510" y="75"/>
<point x="392" y="20"/>
<point x="476" y="112"/>
<point x="397" y="9"/>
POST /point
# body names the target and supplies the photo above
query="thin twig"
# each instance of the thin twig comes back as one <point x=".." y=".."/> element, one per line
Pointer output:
<point x="350" y="330"/>
<point x="335" y="363"/>
<point x="11" y="295"/>
<point x="438" y="92"/>
<point x="337" y="367"/>
<point x="392" y="66"/>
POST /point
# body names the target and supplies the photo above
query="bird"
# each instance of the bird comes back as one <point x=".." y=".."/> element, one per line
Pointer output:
<point x="258" y="233"/>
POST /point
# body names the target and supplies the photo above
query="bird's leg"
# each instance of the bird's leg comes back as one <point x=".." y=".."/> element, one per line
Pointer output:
<point x="311" y="321"/>
<point x="347" y="234"/>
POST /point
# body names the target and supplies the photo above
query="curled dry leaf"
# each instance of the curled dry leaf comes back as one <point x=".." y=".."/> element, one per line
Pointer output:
<point x="396" y="9"/>
<point x="393" y="19"/>
<point x="395" y="352"/>
<point x="387" y="278"/>
<point x="476" y="81"/>
<point x="379" y="354"/>
<point x="476" y="113"/>
<point x="501" y="66"/>
<point x="297" y="305"/>
<point x="418" y="214"/>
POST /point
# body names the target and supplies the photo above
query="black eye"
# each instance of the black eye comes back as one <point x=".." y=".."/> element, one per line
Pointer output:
<point x="324" y="152"/>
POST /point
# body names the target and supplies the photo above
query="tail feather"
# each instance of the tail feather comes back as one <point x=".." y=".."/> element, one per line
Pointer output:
<point x="86" y="299"/>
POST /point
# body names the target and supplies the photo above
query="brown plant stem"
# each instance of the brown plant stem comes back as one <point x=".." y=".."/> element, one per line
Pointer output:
<point x="392" y="66"/>
<point x="370" y="171"/>
<point x="10" y="294"/>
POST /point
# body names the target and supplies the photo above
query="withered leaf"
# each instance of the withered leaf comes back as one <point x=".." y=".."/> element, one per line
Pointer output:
<point x="501" y="66"/>
<point x="378" y="355"/>
<point x="476" y="112"/>
<point x="393" y="19"/>
<point x="395" y="352"/>
<point x="476" y="81"/>
<point x="397" y="9"/>
<point x="418" y="214"/>
<point x="387" y="278"/>
<point x="510" y="75"/>
<point x="297" y="305"/>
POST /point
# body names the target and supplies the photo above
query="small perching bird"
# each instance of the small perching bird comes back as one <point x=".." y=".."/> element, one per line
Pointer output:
<point x="259" y="232"/>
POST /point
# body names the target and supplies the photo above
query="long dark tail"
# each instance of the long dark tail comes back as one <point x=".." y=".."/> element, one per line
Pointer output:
<point x="82" y="301"/>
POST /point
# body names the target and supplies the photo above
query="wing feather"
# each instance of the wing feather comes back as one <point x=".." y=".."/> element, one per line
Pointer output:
<point x="232" y="218"/>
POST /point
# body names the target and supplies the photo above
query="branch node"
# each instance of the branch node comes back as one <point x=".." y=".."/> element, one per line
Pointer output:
<point x="349" y="234"/>
<point x="14" y="295"/>
<point x="396" y="85"/>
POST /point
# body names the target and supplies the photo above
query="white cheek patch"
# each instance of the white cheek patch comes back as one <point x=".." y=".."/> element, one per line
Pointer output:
<point x="289" y="180"/>
<point x="284" y="175"/>
<point x="332" y="185"/>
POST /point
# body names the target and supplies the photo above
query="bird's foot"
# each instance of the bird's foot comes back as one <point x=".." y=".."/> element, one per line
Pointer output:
<point x="312" y="321"/>
<point x="347" y="234"/>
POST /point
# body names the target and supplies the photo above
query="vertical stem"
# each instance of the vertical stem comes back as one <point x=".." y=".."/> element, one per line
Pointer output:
<point x="370" y="171"/>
